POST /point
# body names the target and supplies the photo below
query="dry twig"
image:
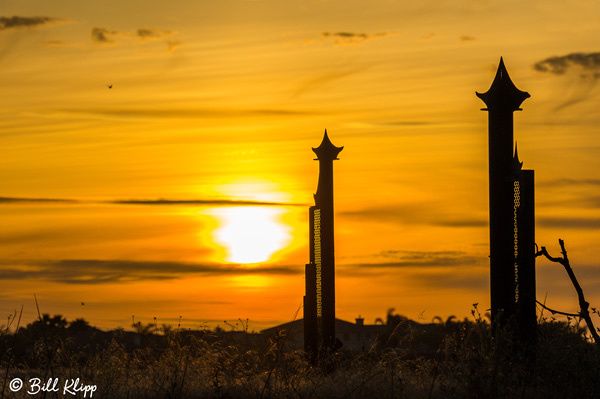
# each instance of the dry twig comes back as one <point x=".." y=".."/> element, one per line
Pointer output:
<point x="584" y="306"/>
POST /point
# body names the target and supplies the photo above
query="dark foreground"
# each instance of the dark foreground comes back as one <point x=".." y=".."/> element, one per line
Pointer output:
<point x="451" y="360"/>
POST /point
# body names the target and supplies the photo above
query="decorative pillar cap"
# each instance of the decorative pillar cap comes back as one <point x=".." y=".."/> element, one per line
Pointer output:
<point x="503" y="95"/>
<point x="326" y="150"/>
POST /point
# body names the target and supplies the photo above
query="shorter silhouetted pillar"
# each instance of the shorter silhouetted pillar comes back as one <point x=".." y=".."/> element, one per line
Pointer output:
<point x="311" y="336"/>
<point x="524" y="247"/>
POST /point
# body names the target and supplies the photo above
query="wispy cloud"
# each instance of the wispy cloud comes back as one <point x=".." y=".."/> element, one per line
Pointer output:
<point x="172" y="45"/>
<point x="152" y="202"/>
<point x="588" y="63"/>
<point x="60" y="43"/>
<point x="474" y="279"/>
<point x="583" y="70"/>
<point x="415" y="263"/>
<point x="14" y="200"/>
<point x="571" y="193"/>
<point x="107" y="36"/>
<point x="586" y="223"/>
<point x="325" y="78"/>
<point x="416" y="214"/>
<point x="16" y="22"/>
<point x="94" y="271"/>
<point x="397" y="259"/>
<point x="217" y="202"/>
<point x="348" y="38"/>
<point x="104" y="36"/>
<point x="196" y="113"/>
<point x="152" y="34"/>
<point x="570" y="182"/>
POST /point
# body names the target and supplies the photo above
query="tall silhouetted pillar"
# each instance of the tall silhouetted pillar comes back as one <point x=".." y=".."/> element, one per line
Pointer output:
<point x="512" y="242"/>
<point x="319" y="301"/>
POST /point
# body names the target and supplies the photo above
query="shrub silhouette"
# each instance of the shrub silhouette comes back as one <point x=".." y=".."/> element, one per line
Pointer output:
<point x="463" y="360"/>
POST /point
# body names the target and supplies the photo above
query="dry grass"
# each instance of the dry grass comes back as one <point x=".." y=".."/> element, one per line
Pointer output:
<point x="470" y="363"/>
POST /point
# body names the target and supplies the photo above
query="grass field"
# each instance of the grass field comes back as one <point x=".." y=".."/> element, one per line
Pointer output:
<point x="468" y="361"/>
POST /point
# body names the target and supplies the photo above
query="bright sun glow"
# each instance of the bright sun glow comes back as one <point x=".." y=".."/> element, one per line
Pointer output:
<point x="250" y="234"/>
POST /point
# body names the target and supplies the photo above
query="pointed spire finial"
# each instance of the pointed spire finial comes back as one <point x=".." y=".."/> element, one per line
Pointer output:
<point x="326" y="150"/>
<point x="516" y="165"/>
<point x="503" y="94"/>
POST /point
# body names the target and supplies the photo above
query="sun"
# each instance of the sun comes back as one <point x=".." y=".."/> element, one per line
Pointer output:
<point x="250" y="234"/>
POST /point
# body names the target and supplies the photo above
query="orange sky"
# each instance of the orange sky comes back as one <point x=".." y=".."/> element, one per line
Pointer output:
<point x="186" y="184"/>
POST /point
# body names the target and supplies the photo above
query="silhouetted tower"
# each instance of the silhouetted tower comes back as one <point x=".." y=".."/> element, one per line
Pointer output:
<point x="319" y="301"/>
<point x="524" y="248"/>
<point x="511" y="196"/>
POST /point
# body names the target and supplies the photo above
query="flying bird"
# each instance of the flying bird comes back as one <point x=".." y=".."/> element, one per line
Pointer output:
<point x="109" y="86"/>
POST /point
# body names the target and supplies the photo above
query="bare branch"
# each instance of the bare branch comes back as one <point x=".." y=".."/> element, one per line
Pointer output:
<point x="584" y="313"/>
<point x="553" y="311"/>
<point x="544" y="252"/>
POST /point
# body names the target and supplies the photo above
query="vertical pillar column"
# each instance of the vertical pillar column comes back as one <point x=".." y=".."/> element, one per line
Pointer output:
<point x="525" y="259"/>
<point x="502" y="99"/>
<point x="322" y="254"/>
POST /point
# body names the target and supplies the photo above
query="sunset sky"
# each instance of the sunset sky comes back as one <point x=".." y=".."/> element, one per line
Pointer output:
<point x="184" y="189"/>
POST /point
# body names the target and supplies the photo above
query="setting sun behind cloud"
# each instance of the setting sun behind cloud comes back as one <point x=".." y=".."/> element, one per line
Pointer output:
<point x="250" y="234"/>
